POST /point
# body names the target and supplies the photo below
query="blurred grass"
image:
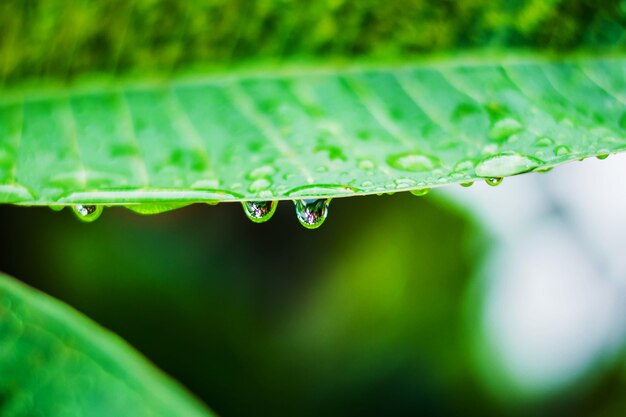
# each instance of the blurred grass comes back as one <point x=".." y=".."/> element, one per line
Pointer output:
<point x="60" y="39"/>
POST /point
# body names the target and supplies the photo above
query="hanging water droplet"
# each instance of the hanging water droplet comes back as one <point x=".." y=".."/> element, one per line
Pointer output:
<point x="467" y="184"/>
<point x="544" y="170"/>
<point x="562" y="150"/>
<point x="493" y="181"/>
<point x="259" y="211"/>
<point x="603" y="155"/>
<point x="56" y="208"/>
<point x="312" y="213"/>
<point x="421" y="192"/>
<point x="87" y="212"/>
<point x="506" y="164"/>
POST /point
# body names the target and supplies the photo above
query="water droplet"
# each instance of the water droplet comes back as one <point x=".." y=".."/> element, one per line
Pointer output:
<point x="544" y="170"/>
<point x="366" y="164"/>
<point x="412" y="162"/>
<point x="506" y="164"/>
<point x="504" y="128"/>
<point x="490" y="149"/>
<point x="262" y="171"/>
<point x="602" y="155"/>
<point x="56" y="208"/>
<point x="562" y="150"/>
<point x="544" y="141"/>
<point x="421" y="192"/>
<point x="259" y="185"/>
<point x="312" y="213"/>
<point x="467" y="184"/>
<point x="259" y="211"/>
<point x="87" y="213"/>
<point x="493" y="181"/>
<point x="465" y="165"/>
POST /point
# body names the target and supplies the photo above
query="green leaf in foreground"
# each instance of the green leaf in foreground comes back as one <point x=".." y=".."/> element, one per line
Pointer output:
<point x="54" y="362"/>
<point x="306" y="133"/>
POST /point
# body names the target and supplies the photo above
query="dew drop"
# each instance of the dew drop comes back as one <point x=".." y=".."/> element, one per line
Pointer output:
<point x="467" y="184"/>
<point x="493" y="181"/>
<point x="412" y="162"/>
<point x="261" y="172"/>
<point x="87" y="213"/>
<point x="544" y="141"/>
<point x="366" y="164"/>
<point x="544" y="170"/>
<point x="505" y="128"/>
<point x="56" y="208"/>
<point x="259" y="185"/>
<point x="562" y="150"/>
<point x="312" y="213"/>
<point x="259" y="211"/>
<point x="602" y="155"/>
<point x="421" y="192"/>
<point x="505" y="164"/>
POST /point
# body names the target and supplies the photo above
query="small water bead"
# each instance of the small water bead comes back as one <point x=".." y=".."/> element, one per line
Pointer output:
<point x="259" y="211"/>
<point x="562" y="150"/>
<point x="505" y="128"/>
<point x="259" y="185"/>
<point x="261" y="172"/>
<point x="413" y="162"/>
<point x="87" y="213"/>
<point x="366" y="165"/>
<point x="544" y="170"/>
<point x="421" y="192"/>
<point x="493" y="181"/>
<point x="312" y="213"/>
<point x="56" y="208"/>
<point x="467" y="184"/>
<point x="544" y="141"/>
<point x="602" y="155"/>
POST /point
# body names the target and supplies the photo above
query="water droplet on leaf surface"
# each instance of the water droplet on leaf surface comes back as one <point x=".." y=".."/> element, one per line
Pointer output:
<point x="506" y="164"/>
<point x="259" y="211"/>
<point x="412" y="162"/>
<point x="562" y="150"/>
<point x="87" y="213"/>
<point x="312" y="213"/>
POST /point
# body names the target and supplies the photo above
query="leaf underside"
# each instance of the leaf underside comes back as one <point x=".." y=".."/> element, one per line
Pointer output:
<point x="54" y="362"/>
<point x="307" y="133"/>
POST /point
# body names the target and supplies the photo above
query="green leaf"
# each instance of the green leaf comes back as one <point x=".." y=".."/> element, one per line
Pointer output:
<point x="307" y="132"/>
<point x="54" y="362"/>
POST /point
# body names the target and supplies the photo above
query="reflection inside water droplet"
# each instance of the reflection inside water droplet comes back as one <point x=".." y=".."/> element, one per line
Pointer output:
<point x="259" y="211"/>
<point x="312" y="213"/>
<point x="494" y="181"/>
<point x="87" y="212"/>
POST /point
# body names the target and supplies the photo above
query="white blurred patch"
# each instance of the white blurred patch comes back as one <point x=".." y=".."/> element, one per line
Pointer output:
<point x="555" y="284"/>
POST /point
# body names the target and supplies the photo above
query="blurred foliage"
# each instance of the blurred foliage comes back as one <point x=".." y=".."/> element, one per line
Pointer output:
<point x="62" y="38"/>
<point x="364" y="317"/>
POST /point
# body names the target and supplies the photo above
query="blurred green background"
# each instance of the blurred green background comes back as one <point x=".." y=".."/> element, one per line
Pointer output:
<point x="379" y="312"/>
<point x="62" y="39"/>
